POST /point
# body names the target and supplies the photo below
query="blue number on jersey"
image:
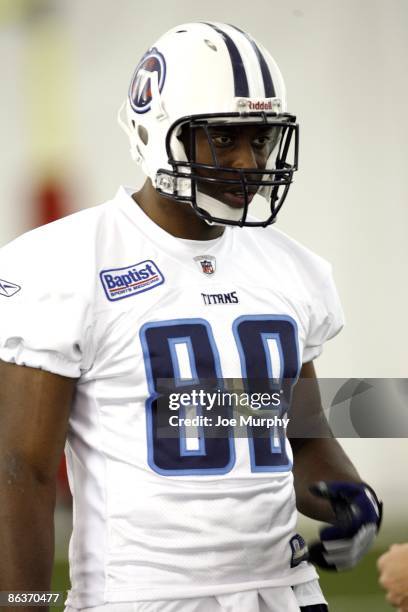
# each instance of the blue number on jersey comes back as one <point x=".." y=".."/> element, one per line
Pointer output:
<point x="169" y="455"/>
<point x="268" y="352"/>
<point x="183" y="353"/>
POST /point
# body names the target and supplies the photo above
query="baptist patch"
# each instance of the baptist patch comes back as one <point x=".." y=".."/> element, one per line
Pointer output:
<point x="120" y="283"/>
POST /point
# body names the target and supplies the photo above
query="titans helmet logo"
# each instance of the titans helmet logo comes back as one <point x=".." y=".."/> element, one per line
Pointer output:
<point x="151" y="69"/>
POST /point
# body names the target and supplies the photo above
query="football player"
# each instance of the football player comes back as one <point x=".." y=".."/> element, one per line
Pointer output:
<point x="175" y="289"/>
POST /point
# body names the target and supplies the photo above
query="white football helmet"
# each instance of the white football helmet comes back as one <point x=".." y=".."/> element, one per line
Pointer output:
<point x="198" y="76"/>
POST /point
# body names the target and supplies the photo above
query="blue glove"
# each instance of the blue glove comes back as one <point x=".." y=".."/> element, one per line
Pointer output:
<point x="358" y="515"/>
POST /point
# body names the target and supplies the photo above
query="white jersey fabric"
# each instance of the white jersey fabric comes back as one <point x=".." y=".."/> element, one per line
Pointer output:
<point x="273" y="599"/>
<point x="110" y="298"/>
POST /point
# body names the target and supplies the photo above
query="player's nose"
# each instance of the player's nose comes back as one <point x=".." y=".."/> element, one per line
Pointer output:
<point x="244" y="155"/>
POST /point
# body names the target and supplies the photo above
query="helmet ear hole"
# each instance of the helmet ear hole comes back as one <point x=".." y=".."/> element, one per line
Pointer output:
<point x="143" y="134"/>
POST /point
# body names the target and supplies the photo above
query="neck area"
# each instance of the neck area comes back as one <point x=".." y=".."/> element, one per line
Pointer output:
<point x="176" y="218"/>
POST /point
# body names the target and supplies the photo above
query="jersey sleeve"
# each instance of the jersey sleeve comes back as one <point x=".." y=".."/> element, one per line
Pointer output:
<point x="45" y="320"/>
<point x="326" y="319"/>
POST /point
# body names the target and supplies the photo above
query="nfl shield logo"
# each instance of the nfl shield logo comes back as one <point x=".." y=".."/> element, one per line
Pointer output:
<point x="206" y="263"/>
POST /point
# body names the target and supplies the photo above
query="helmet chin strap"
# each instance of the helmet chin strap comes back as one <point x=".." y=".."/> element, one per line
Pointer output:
<point x="216" y="208"/>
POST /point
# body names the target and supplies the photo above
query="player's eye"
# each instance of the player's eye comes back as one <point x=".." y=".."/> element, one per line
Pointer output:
<point x="267" y="140"/>
<point x="221" y="140"/>
<point x="262" y="141"/>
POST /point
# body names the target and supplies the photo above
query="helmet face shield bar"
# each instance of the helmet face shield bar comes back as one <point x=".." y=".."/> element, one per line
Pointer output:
<point x="222" y="192"/>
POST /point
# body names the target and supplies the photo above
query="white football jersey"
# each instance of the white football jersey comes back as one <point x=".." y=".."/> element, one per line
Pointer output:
<point x="108" y="297"/>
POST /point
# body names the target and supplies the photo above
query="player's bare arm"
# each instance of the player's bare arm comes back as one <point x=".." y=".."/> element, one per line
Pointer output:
<point x="333" y="464"/>
<point x="327" y="485"/>
<point x="34" y="410"/>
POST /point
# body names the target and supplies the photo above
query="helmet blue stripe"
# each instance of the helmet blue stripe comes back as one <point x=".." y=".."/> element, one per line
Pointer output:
<point x="238" y="69"/>
<point x="266" y="74"/>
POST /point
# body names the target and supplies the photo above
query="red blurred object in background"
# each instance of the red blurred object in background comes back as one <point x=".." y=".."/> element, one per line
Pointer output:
<point x="50" y="201"/>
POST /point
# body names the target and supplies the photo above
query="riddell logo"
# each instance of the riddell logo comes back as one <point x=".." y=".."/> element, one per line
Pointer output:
<point x="260" y="105"/>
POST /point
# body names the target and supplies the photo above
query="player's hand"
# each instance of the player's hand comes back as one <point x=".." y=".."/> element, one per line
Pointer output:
<point x="393" y="569"/>
<point x="358" y="517"/>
